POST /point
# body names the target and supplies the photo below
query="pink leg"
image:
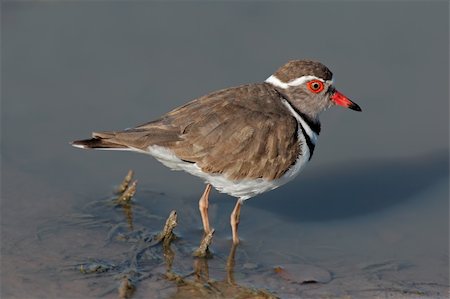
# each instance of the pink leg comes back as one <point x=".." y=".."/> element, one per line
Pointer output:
<point x="234" y="221"/>
<point x="203" y="207"/>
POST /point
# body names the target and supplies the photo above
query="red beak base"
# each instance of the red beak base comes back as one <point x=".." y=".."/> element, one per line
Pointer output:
<point x="341" y="100"/>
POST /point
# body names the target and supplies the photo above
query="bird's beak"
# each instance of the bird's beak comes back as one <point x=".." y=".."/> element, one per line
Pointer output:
<point x="341" y="100"/>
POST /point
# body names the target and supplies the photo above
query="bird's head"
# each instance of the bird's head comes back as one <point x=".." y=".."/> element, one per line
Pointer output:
<point x="308" y="85"/>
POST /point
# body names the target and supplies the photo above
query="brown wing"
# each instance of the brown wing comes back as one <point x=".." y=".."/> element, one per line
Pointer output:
<point x="242" y="132"/>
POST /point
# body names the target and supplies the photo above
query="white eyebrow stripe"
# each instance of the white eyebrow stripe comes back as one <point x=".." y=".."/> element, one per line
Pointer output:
<point x="296" y="82"/>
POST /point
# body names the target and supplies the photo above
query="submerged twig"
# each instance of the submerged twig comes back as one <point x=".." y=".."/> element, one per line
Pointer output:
<point x="128" y="193"/>
<point x="126" y="288"/>
<point x="126" y="181"/>
<point x="96" y="266"/>
<point x="167" y="235"/>
<point x="203" y="249"/>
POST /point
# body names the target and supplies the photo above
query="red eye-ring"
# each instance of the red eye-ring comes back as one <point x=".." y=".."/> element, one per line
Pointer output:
<point x="315" y="86"/>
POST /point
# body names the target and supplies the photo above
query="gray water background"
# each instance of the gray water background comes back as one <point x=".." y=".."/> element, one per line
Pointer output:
<point x="376" y="191"/>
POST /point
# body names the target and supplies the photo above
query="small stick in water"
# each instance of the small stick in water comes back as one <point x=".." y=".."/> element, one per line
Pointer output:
<point x="128" y="193"/>
<point x="167" y="234"/>
<point x="126" y="288"/>
<point x="203" y="249"/>
<point x="126" y="181"/>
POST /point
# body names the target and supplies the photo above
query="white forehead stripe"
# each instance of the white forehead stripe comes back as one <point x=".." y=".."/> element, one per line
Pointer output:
<point x="296" y="82"/>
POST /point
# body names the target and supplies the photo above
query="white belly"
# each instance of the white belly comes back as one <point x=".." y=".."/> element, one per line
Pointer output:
<point x="242" y="189"/>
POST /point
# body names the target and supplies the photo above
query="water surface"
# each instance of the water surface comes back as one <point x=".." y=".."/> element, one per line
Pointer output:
<point x="368" y="217"/>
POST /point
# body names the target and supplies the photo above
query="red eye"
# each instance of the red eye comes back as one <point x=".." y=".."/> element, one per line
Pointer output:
<point x="315" y="86"/>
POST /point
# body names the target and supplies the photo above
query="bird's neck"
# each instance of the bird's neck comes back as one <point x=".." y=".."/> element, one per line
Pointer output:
<point x="312" y="119"/>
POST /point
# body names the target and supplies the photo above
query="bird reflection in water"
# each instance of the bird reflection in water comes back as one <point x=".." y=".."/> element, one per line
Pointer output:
<point x="203" y="286"/>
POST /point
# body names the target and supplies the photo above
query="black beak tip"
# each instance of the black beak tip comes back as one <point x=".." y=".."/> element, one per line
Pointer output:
<point x="355" y="107"/>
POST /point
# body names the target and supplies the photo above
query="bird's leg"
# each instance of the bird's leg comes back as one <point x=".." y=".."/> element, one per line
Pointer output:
<point x="234" y="221"/>
<point x="203" y="207"/>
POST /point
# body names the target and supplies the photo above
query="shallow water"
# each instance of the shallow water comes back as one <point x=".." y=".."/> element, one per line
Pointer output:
<point x="367" y="218"/>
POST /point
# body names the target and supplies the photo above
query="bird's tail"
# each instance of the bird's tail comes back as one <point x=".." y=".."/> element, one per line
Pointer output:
<point x="99" y="140"/>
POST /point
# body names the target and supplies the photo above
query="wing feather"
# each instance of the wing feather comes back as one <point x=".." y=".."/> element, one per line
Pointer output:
<point x="242" y="132"/>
